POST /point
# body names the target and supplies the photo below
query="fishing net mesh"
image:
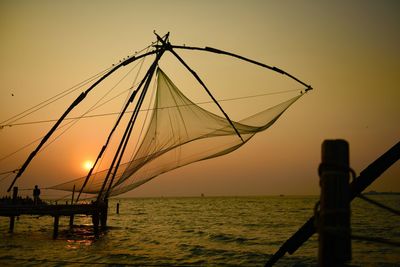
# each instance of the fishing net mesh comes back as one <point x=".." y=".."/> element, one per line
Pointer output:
<point x="179" y="133"/>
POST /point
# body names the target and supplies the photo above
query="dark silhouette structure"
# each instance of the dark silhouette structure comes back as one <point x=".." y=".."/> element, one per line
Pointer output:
<point x="36" y="194"/>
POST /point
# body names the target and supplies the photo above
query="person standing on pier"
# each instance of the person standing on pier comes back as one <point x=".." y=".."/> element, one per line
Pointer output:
<point x="36" y="194"/>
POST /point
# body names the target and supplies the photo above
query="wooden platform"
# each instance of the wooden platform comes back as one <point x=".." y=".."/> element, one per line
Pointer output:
<point x="98" y="211"/>
<point x="52" y="210"/>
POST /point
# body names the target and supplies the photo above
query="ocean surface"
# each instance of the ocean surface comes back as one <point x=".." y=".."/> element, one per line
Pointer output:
<point x="198" y="231"/>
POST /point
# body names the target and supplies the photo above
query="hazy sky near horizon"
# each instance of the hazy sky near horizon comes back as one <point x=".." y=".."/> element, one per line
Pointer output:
<point x="347" y="50"/>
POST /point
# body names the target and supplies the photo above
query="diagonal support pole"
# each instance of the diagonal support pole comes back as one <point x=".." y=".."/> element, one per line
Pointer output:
<point x="169" y="48"/>
<point x="218" y="51"/>
<point x="114" y="165"/>
<point x="129" y="128"/>
<point x="78" y="100"/>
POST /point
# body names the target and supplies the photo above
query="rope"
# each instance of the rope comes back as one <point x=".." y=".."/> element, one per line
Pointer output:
<point x="74" y="120"/>
<point x="335" y="167"/>
<point x="5" y="177"/>
<point x="50" y="100"/>
<point x="380" y="205"/>
<point x="62" y="94"/>
<point x="93" y="107"/>
<point x="376" y="240"/>
<point x="116" y="113"/>
<point x="148" y="109"/>
<point x="7" y="172"/>
<point x="29" y="144"/>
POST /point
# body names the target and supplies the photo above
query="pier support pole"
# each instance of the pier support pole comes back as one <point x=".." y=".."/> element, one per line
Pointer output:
<point x="334" y="217"/>
<point x="71" y="220"/>
<point x="95" y="220"/>
<point x="12" y="222"/>
<point x="14" y="201"/>
<point x="71" y="217"/>
<point x="103" y="214"/>
<point x="55" y="229"/>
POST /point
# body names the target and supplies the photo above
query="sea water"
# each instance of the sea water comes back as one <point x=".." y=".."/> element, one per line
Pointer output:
<point x="195" y="231"/>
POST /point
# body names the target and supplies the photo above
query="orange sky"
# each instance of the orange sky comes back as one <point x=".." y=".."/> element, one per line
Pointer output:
<point x="348" y="51"/>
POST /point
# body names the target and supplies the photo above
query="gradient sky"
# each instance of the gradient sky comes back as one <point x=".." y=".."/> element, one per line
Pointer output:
<point x="347" y="50"/>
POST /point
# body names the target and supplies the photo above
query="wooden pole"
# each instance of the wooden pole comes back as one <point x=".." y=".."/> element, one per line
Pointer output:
<point x="71" y="218"/>
<point x="14" y="201"/>
<point x="367" y="176"/>
<point x="95" y="220"/>
<point x="103" y="214"/>
<point x="55" y="229"/>
<point x="218" y="51"/>
<point x="12" y="222"/>
<point x="334" y="216"/>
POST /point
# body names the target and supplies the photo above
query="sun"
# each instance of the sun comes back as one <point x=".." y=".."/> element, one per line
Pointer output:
<point x="87" y="165"/>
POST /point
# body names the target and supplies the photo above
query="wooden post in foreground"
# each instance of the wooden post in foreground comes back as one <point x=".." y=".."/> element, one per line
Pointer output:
<point x="334" y="216"/>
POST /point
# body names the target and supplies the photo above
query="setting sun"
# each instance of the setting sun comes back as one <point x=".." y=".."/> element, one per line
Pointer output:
<point x="87" y="165"/>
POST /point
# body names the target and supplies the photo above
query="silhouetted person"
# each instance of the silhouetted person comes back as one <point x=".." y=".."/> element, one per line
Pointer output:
<point x="36" y="194"/>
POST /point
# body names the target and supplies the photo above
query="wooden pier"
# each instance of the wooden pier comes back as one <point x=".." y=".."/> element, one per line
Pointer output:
<point x="98" y="211"/>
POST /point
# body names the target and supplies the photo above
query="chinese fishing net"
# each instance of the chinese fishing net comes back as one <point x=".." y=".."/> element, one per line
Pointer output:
<point x="179" y="133"/>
